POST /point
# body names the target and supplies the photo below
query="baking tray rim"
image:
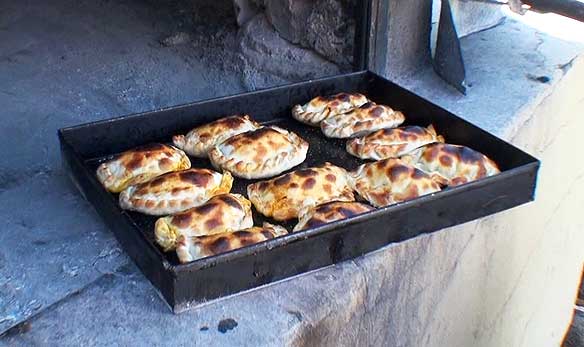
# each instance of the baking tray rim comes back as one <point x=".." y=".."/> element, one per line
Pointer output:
<point x="532" y="164"/>
<point x="283" y="240"/>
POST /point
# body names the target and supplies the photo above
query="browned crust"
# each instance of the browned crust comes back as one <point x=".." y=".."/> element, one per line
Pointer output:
<point x="139" y="165"/>
<point x="360" y="121"/>
<point x="285" y="147"/>
<point x="193" y="248"/>
<point x="201" y="139"/>
<point x="392" y="143"/>
<point x="452" y="164"/>
<point x="283" y="197"/>
<point x="330" y="212"/>
<point x="390" y="181"/>
<point x="175" y="192"/>
<point x="322" y="107"/>
<point x="222" y="213"/>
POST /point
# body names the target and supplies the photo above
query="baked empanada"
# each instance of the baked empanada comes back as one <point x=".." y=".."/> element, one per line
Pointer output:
<point x="452" y="164"/>
<point x="222" y="213"/>
<point x="283" y="197"/>
<point x="362" y="120"/>
<point x="392" y="143"/>
<point x="389" y="181"/>
<point x="193" y="248"/>
<point x="139" y="165"/>
<point x="260" y="153"/>
<point x="321" y="107"/>
<point x="201" y="139"/>
<point x="175" y="191"/>
<point x="330" y="212"/>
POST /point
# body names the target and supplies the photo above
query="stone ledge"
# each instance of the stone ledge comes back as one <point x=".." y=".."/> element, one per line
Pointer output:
<point x="510" y="70"/>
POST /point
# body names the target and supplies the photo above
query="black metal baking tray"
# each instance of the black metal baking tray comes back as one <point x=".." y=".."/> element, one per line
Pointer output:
<point x="184" y="285"/>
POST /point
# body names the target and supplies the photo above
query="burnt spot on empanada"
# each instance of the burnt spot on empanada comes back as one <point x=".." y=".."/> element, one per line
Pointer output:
<point x="223" y="213"/>
<point x="330" y="212"/>
<point x="258" y="134"/>
<point x="280" y="181"/>
<point x="445" y="160"/>
<point x="322" y="107"/>
<point x="201" y="139"/>
<point x="220" y="245"/>
<point x="453" y="164"/>
<point x="391" y="181"/>
<point x="151" y="147"/>
<point x="201" y="178"/>
<point x="392" y="143"/>
<point x="308" y="183"/>
<point x="192" y="248"/>
<point x="377" y="111"/>
<point x="230" y="200"/>
<point x="213" y="222"/>
<point x="306" y="172"/>
<point x="139" y="165"/>
<point x="260" y="153"/>
<point x="136" y="161"/>
<point x="397" y="170"/>
<point x="284" y="196"/>
<point x="157" y="181"/>
<point x="232" y="122"/>
<point x="182" y="220"/>
<point x="418" y="174"/>
<point x="207" y="208"/>
<point x="362" y="120"/>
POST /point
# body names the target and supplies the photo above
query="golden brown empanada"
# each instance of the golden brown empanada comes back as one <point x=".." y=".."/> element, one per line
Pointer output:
<point x="283" y="197"/>
<point x="201" y="139"/>
<point x="222" y="213"/>
<point x="175" y="191"/>
<point x="139" y="165"/>
<point x="452" y="164"/>
<point x="389" y="181"/>
<point x="330" y="212"/>
<point x="362" y="120"/>
<point x="193" y="248"/>
<point x="261" y="153"/>
<point x="321" y="107"/>
<point x="392" y="143"/>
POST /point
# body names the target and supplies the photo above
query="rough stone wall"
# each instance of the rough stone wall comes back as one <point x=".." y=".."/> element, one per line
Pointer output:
<point x="284" y="41"/>
<point x="327" y="26"/>
<point x="269" y="60"/>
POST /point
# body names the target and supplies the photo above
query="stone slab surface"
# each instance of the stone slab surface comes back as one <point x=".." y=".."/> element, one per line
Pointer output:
<point x="510" y="69"/>
<point x="61" y="64"/>
<point x="475" y="284"/>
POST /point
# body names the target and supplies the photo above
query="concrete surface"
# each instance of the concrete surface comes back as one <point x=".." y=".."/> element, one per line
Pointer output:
<point x="64" y="63"/>
<point x="509" y="279"/>
<point x="470" y="16"/>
